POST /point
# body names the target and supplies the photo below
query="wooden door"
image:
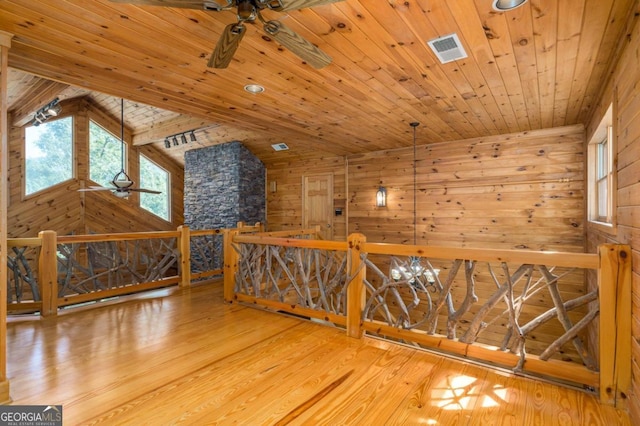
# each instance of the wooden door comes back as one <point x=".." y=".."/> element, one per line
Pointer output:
<point x="317" y="203"/>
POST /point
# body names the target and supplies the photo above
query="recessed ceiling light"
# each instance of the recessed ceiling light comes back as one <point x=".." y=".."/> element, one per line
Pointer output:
<point x="254" y="88"/>
<point x="505" y="5"/>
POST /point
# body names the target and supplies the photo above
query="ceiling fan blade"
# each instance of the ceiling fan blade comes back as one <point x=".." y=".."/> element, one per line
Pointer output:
<point x="285" y="5"/>
<point x="296" y="44"/>
<point x="227" y="46"/>
<point x="148" y="191"/>
<point x="95" y="188"/>
<point x="185" y="4"/>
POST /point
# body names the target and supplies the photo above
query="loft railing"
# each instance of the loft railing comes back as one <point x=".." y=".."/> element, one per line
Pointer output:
<point x="529" y="311"/>
<point x="51" y="271"/>
<point x="489" y="305"/>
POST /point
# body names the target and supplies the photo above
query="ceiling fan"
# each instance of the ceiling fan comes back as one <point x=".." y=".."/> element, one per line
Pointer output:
<point x="122" y="183"/>
<point x="248" y="11"/>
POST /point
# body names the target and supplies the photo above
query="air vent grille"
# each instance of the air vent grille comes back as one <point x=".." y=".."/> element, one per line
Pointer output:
<point x="280" y="146"/>
<point x="448" y="48"/>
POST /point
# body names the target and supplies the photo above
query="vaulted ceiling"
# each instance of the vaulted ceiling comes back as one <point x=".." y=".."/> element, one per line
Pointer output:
<point x="538" y="66"/>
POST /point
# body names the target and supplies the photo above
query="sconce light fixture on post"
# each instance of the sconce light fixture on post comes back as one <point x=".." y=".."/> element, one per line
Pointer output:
<point x="381" y="197"/>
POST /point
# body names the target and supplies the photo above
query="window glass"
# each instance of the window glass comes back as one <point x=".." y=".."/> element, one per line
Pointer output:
<point x="48" y="154"/>
<point x="601" y="175"/>
<point x="156" y="178"/>
<point x="105" y="155"/>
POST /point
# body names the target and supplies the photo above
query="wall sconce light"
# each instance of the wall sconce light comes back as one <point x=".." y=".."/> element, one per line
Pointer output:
<point x="52" y="109"/>
<point x="381" y="197"/>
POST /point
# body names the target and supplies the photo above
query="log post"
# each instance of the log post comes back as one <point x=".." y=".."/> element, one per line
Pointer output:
<point x="230" y="264"/>
<point x="614" y="286"/>
<point x="185" y="255"/>
<point x="48" y="273"/>
<point x="5" y="45"/>
<point x="355" y="291"/>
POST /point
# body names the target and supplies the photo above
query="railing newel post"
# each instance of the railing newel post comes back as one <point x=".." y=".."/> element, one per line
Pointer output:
<point x="230" y="264"/>
<point x="355" y="291"/>
<point x="48" y="273"/>
<point x="614" y="286"/>
<point x="185" y="255"/>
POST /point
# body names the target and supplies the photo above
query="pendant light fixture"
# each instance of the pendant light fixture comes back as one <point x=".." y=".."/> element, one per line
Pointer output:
<point x="415" y="269"/>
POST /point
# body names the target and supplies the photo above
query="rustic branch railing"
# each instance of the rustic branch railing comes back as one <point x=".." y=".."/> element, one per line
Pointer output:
<point x="52" y="271"/>
<point x="449" y="299"/>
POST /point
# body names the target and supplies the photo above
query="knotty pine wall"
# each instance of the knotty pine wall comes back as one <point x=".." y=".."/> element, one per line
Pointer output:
<point x="519" y="191"/>
<point x="623" y="89"/>
<point x="65" y="210"/>
<point x="284" y="207"/>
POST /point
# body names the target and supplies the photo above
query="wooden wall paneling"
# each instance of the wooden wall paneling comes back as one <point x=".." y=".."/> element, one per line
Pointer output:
<point x="65" y="210"/>
<point x="607" y="47"/>
<point x="284" y="207"/>
<point x="625" y="82"/>
<point x="531" y="184"/>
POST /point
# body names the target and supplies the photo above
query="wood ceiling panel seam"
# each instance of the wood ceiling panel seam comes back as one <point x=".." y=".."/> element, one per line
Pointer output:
<point x="440" y="23"/>
<point x="473" y="73"/>
<point x="396" y="52"/>
<point x="398" y="99"/>
<point x="593" y="25"/>
<point x="319" y="145"/>
<point x="608" y="47"/>
<point x="221" y="115"/>
<point x="473" y="110"/>
<point x="186" y="11"/>
<point x="521" y="33"/>
<point x="499" y="38"/>
<point x="415" y="54"/>
<point x="472" y="35"/>
<point x="569" y="33"/>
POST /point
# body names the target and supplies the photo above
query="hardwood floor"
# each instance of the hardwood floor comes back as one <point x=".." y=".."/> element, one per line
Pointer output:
<point x="183" y="357"/>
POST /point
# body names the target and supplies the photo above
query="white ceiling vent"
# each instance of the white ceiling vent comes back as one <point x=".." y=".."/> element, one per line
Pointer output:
<point x="280" y="146"/>
<point x="448" y="48"/>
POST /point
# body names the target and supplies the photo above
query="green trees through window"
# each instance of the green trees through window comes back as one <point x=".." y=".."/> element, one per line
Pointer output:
<point x="48" y="154"/>
<point x="154" y="177"/>
<point x="105" y="155"/>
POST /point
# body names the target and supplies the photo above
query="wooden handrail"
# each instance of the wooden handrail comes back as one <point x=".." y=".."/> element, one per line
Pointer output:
<point x="565" y="259"/>
<point x="92" y="238"/>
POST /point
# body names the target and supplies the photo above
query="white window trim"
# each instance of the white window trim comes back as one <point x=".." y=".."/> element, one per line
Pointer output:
<point x="605" y="130"/>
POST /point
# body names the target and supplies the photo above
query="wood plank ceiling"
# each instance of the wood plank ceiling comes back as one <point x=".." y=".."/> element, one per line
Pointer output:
<point x="539" y="66"/>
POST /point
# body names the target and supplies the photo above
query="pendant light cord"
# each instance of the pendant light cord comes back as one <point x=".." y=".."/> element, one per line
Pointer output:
<point x="415" y="188"/>
<point x="122" y="133"/>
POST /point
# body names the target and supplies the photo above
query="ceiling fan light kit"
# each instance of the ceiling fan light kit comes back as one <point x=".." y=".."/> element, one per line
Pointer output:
<point x="248" y="11"/>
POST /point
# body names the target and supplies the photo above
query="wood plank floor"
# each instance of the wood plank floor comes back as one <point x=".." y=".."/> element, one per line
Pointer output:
<point x="183" y="357"/>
